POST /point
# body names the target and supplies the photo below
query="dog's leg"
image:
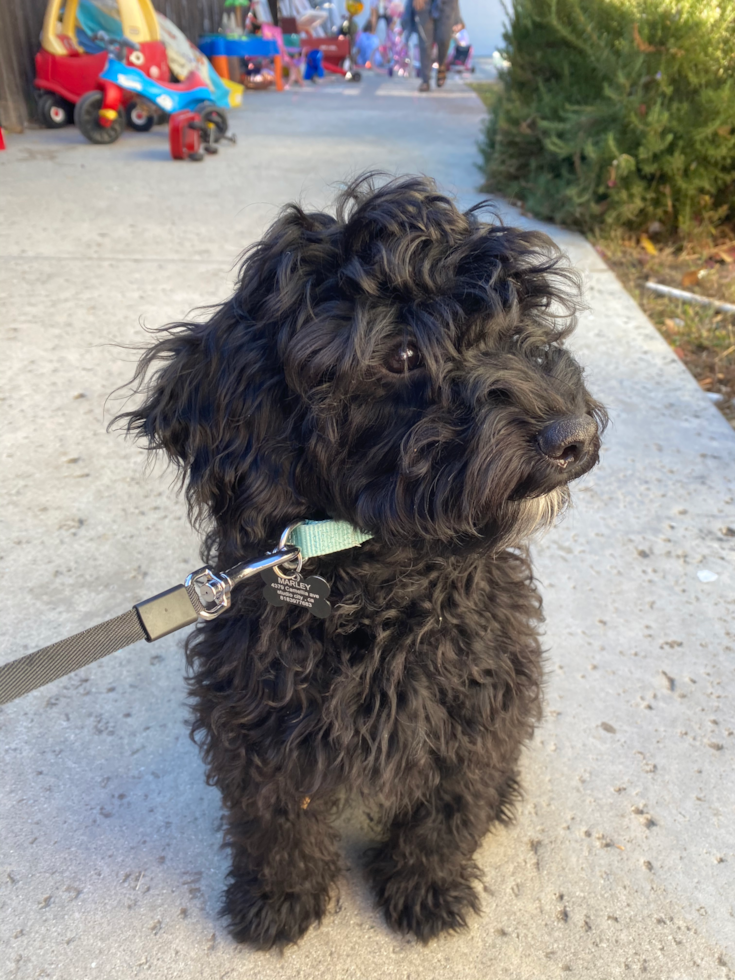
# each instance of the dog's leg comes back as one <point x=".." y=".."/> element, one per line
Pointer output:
<point x="284" y="866"/>
<point x="424" y="872"/>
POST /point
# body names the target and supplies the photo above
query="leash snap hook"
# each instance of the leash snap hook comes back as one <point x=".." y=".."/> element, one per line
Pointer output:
<point x="214" y="591"/>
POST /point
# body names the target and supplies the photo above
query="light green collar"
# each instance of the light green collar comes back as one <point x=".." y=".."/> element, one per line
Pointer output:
<point x="314" y="538"/>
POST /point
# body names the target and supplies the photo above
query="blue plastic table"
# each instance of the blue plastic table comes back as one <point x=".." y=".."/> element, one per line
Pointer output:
<point x="237" y="47"/>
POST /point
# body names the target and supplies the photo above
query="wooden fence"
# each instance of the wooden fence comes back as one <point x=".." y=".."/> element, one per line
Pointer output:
<point x="20" y="29"/>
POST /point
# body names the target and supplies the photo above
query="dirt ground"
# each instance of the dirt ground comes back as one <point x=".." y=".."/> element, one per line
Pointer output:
<point x="700" y="336"/>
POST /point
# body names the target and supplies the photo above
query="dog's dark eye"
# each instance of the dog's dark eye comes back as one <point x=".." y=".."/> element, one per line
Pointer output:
<point x="404" y="358"/>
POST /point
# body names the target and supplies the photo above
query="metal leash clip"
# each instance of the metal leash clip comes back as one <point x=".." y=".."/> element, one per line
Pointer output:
<point x="215" y="590"/>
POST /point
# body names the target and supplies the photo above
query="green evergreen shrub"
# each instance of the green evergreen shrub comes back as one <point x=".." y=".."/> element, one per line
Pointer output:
<point x="618" y="113"/>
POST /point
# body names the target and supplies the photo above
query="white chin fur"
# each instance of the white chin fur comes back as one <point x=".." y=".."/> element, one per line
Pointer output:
<point x="536" y="515"/>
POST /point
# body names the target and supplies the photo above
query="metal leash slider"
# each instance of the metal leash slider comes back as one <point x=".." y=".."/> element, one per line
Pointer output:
<point x="174" y="609"/>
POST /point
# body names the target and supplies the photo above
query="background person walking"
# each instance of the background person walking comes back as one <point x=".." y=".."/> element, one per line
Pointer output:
<point x="433" y="21"/>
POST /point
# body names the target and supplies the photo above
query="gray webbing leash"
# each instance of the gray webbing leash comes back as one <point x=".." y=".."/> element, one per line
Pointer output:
<point x="204" y="596"/>
<point x="51" y="662"/>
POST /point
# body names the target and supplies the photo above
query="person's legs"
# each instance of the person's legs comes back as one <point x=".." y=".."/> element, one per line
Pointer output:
<point x="445" y="21"/>
<point x="443" y="30"/>
<point x="425" y="30"/>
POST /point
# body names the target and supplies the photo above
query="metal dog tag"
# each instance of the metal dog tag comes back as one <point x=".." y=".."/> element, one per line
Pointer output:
<point x="310" y="593"/>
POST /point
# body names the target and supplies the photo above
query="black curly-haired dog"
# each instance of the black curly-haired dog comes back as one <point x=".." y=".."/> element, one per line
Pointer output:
<point x="398" y="366"/>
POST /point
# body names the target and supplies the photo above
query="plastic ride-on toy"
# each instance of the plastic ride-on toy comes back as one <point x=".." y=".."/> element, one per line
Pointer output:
<point x="69" y="62"/>
<point x="185" y="135"/>
<point x="99" y="116"/>
<point x="189" y="134"/>
<point x="334" y="53"/>
<point x="337" y="56"/>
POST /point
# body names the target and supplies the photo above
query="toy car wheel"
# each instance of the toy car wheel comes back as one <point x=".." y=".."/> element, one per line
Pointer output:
<point x="353" y="76"/>
<point x="216" y="120"/>
<point x="138" y="118"/>
<point x="54" y="111"/>
<point x="87" y="120"/>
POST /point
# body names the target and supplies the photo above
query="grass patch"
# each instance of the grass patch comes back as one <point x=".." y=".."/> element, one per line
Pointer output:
<point x="489" y="92"/>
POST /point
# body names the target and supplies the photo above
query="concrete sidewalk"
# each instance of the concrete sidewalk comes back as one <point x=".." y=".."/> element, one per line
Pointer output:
<point x="621" y="862"/>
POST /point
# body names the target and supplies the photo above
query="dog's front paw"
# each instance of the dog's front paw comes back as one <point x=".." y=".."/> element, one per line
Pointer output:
<point x="264" y="920"/>
<point x="425" y="901"/>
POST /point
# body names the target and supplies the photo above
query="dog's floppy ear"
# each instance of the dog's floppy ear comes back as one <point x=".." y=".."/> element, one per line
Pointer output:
<point x="220" y="398"/>
<point x="215" y="401"/>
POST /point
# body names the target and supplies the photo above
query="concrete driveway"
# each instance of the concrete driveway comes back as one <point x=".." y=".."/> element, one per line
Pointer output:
<point x="621" y="862"/>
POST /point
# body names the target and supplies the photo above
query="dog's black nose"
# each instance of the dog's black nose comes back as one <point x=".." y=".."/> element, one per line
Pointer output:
<point x="568" y="441"/>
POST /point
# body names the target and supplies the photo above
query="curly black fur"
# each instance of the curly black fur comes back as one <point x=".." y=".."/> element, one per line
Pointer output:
<point x="420" y="689"/>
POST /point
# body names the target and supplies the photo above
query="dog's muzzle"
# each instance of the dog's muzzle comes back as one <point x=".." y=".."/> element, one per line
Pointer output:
<point x="570" y="443"/>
